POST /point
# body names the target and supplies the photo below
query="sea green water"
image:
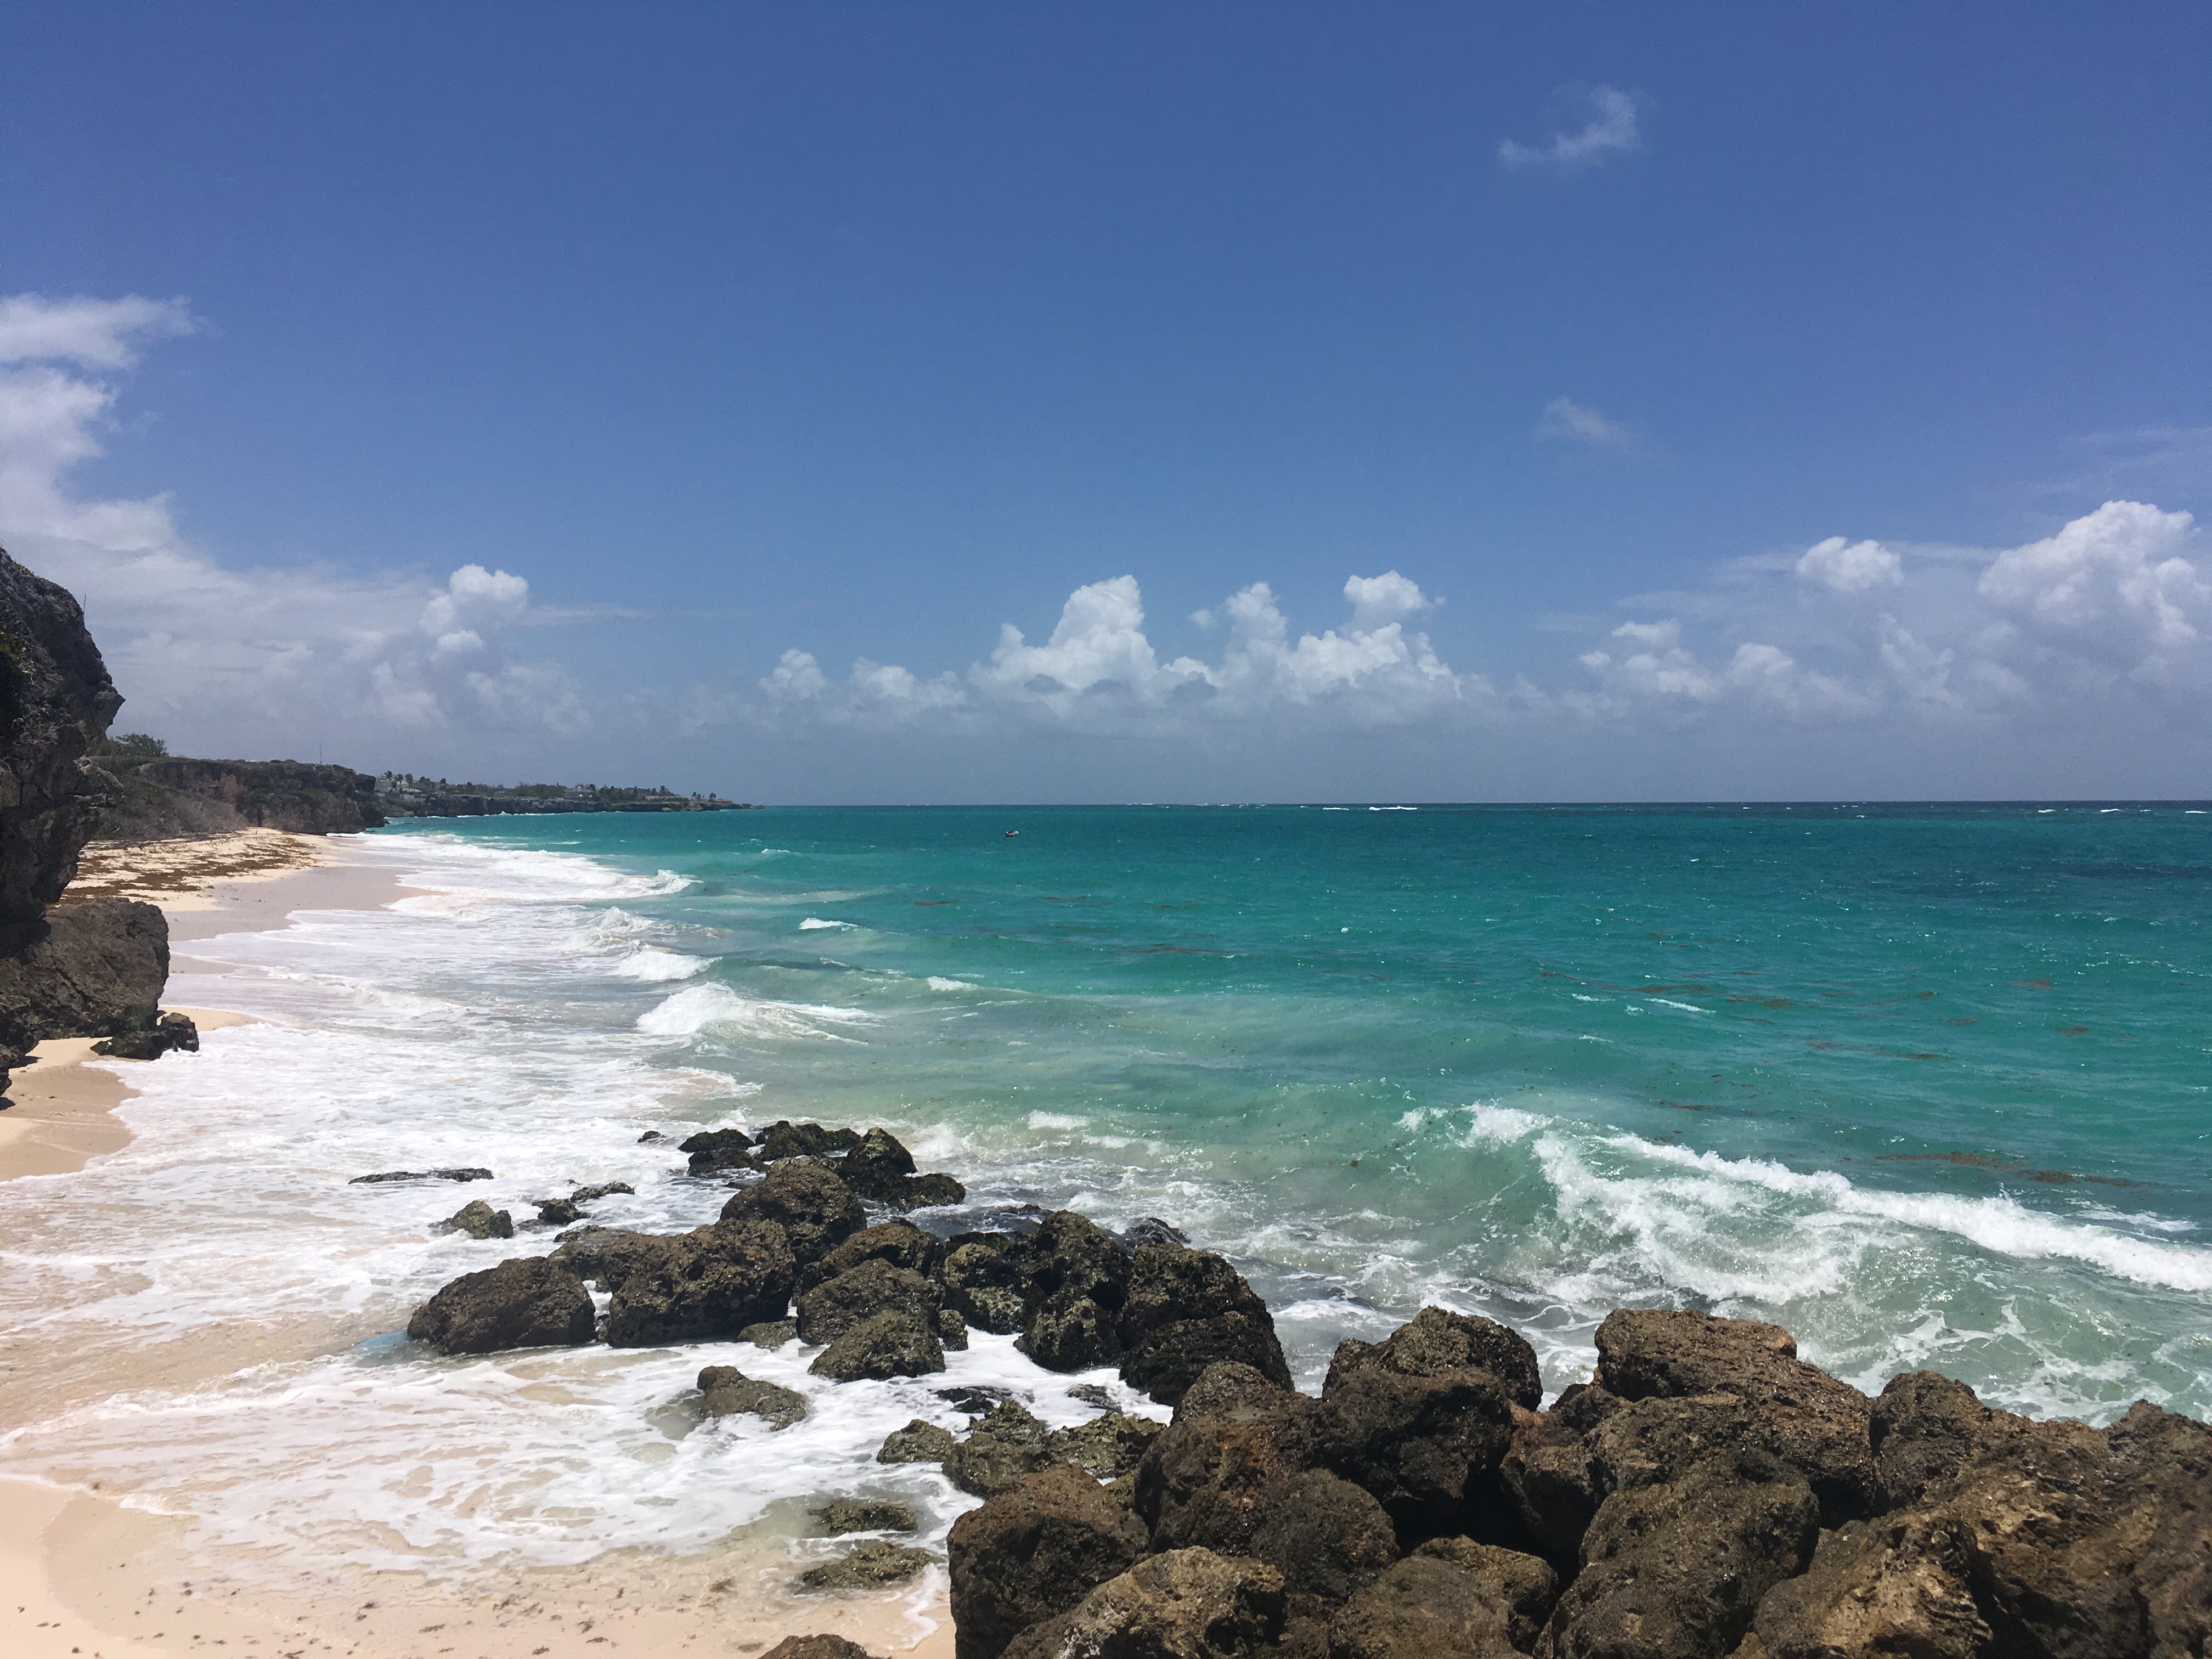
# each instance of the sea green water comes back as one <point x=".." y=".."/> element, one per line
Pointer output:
<point x="1929" y="1086"/>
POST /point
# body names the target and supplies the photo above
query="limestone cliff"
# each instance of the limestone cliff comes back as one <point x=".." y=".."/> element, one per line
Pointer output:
<point x="96" y="969"/>
<point x="165" y="796"/>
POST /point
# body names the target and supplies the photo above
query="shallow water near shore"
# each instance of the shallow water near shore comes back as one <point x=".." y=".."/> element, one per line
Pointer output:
<point x="1926" y="1086"/>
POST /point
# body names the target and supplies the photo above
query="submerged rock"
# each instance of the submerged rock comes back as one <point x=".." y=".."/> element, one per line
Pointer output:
<point x="479" y="1220"/>
<point x="727" y="1392"/>
<point x="919" y="1441"/>
<point x="896" y="1344"/>
<point x="455" y="1174"/>
<point x="558" y="1212"/>
<point x="868" y="1566"/>
<point x="527" y="1303"/>
<point x="1033" y="1553"/>
<point x="867" y="1515"/>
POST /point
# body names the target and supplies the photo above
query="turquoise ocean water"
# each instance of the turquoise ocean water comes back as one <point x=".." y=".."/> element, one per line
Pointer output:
<point x="1932" y="1087"/>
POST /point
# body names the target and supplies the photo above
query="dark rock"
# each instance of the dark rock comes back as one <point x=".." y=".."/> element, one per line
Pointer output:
<point x="836" y="1305"/>
<point x="704" y="1285"/>
<point x="1096" y="1395"/>
<point x="719" y="1149"/>
<point x="985" y="1288"/>
<point x="607" y="1255"/>
<point x="919" y="1441"/>
<point x="816" y="1646"/>
<point x="974" y="1398"/>
<point x="172" y="1033"/>
<point x="1204" y="1478"/>
<point x="1818" y="1425"/>
<point x="901" y="1243"/>
<point x="1228" y="1386"/>
<point x="651" y="1135"/>
<point x="867" y="1515"/>
<point x="1900" y="1585"/>
<point x="56" y="700"/>
<point x="558" y="1212"/>
<point x="1423" y="1607"/>
<point x="877" y="1166"/>
<point x="93" y="968"/>
<point x="1676" y="1570"/>
<point x="1171" y="1357"/>
<point x="999" y="1451"/>
<point x="1033" y="1553"/>
<point x="2078" y="1540"/>
<point x="1327" y="1537"/>
<point x="816" y="1210"/>
<point x="1150" y="1229"/>
<point x="1523" y="1585"/>
<point x="604" y="1189"/>
<point x="728" y="1392"/>
<point x="1923" y="1431"/>
<point x="1070" y="1332"/>
<point x="479" y="1220"/>
<point x="926" y="1192"/>
<point x="1070" y="1257"/>
<point x="1549" y="1473"/>
<point x="1106" y="1447"/>
<point x="419" y="1175"/>
<point x="1423" y="1419"/>
<point x="952" y="1330"/>
<point x="1186" y="1310"/>
<point x="784" y="1139"/>
<point x="527" y="1303"/>
<point x="1437" y="1342"/>
<point x="770" y="1334"/>
<point x="897" y="1344"/>
<point x="1187" y="1604"/>
<point x="868" y="1566"/>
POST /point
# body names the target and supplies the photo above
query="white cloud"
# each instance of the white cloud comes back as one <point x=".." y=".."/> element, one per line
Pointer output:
<point x="201" y="650"/>
<point x="1565" y="421"/>
<point x="1844" y="567"/>
<point x="2114" y="586"/>
<point x="1097" y="671"/>
<point x="1612" y="126"/>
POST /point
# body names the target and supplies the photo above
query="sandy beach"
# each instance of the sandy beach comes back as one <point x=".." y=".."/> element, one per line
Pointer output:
<point x="84" y="1572"/>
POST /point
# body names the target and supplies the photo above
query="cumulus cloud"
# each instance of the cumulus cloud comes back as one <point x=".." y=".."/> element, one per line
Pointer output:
<point x="2115" y="600"/>
<point x="1098" y="672"/>
<point x="1565" y="421"/>
<point x="1612" y="127"/>
<point x="1843" y="566"/>
<point x="200" y="648"/>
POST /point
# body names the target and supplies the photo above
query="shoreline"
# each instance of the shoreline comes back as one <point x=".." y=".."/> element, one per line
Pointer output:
<point x="87" y="1573"/>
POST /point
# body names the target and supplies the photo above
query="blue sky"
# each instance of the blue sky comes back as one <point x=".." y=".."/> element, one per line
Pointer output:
<point x="709" y="335"/>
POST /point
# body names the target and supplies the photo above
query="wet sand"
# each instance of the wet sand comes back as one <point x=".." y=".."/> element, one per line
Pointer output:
<point x="85" y="1573"/>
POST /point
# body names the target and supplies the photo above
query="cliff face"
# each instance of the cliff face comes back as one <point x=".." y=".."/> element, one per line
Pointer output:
<point x="96" y="969"/>
<point x="176" y="797"/>
<point x="56" y="700"/>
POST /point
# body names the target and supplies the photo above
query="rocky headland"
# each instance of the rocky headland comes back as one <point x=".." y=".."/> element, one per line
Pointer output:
<point x="96" y="969"/>
<point x="162" y="796"/>
<point x="1707" y="1493"/>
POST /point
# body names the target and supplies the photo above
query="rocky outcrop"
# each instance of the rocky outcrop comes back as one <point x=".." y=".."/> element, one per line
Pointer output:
<point x="726" y="1391"/>
<point x="480" y="1221"/>
<point x="527" y="1303"/>
<point x="705" y="1286"/>
<point x="803" y="1196"/>
<point x="56" y="702"/>
<point x="165" y="796"/>
<point x="173" y="1033"/>
<point x="90" y="969"/>
<point x="1034" y="1553"/>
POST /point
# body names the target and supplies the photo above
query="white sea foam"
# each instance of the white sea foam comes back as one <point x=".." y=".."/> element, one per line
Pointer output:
<point x="813" y="923"/>
<point x="699" y="1007"/>
<point x="653" y="966"/>
<point x="1057" y="1120"/>
<point x="936" y="983"/>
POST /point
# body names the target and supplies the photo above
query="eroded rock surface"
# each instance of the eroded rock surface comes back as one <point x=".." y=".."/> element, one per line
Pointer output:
<point x="527" y="1303"/>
